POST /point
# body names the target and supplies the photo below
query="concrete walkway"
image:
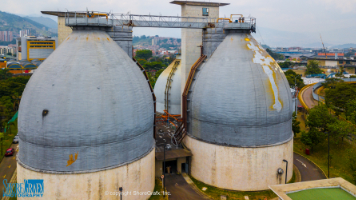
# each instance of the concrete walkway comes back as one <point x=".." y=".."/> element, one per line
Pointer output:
<point x="180" y="189"/>
<point x="308" y="170"/>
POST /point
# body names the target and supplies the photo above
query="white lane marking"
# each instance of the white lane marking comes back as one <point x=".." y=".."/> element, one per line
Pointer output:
<point x="302" y="163"/>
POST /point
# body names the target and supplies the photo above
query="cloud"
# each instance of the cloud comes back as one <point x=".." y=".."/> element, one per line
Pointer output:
<point x="302" y="16"/>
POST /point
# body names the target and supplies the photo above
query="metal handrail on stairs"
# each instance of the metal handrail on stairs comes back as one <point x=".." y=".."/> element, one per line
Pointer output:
<point x="181" y="131"/>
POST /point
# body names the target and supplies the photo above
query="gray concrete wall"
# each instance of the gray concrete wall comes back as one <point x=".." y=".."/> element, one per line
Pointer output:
<point x="137" y="176"/>
<point x="245" y="169"/>
<point x="122" y="35"/>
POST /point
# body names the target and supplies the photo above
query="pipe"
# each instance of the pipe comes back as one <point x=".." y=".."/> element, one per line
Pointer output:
<point x="120" y="189"/>
<point x="284" y="160"/>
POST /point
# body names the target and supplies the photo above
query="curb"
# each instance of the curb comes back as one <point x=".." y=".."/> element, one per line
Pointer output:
<point x="300" y="95"/>
<point x="194" y="187"/>
<point x="313" y="163"/>
<point x="298" y="176"/>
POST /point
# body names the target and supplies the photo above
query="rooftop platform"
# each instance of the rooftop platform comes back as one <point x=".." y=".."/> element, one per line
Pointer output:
<point x="335" y="188"/>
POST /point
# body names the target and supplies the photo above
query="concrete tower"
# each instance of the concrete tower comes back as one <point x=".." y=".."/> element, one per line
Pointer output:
<point x="240" y="119"/>
<point x="192" y="38"/>
<point x="86" y="122"/>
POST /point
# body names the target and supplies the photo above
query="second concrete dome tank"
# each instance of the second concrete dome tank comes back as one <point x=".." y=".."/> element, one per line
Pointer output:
<point x="168" y="89"/>
<point x="88" y="107"/>
<point x="241" y="97"/>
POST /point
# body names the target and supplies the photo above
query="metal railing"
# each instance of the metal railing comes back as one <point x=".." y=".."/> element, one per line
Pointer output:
<point x="95" y="18"/>
<point x="92" y="18"/>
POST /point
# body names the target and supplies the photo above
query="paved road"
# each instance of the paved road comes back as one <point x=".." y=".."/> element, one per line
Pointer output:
<point x="180" y="189"/>
<point x="7" y="168"/>
<point x="308" y="97"/>
<point x="308" y="170"/>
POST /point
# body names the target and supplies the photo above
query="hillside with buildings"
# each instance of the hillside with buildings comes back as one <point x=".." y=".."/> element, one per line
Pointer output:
<point x="158" y="45"/>
<point x="12" y="26"/>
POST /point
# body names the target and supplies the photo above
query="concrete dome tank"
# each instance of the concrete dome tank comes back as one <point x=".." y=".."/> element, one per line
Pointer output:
<point x="86" y="121"/>
<point x="240" y="124"/>
<point x="168" y="85"/>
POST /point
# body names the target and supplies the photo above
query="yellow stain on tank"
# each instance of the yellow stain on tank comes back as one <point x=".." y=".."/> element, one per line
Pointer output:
<point x="269" y="66"/>
<point x="108" y="39"/>
<point x="232" y="39"/>
<point x="247" y="39"/>
<point x="87" y="38"/>
<point x="71" y="160"/>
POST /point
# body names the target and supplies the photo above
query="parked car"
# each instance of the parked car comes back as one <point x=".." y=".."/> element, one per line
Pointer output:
<point x="15" y="140"/>
<point x="10" y="152"/>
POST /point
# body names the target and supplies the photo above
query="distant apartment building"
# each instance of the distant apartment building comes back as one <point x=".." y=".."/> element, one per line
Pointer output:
<point x="27" y="32"/>
<point x="6" y="36"/>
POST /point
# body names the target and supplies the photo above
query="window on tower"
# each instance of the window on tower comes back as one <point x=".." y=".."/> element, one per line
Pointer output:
<point x="205" y="11"/>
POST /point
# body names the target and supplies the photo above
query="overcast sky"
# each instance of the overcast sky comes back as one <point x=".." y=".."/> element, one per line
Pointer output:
<point x="299" y="16"/>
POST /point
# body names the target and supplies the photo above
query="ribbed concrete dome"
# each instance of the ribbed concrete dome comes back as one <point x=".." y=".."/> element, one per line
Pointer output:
<point x="174" y="92"/>
<point x="241" y="97"/>
<point x="100" y="108"/>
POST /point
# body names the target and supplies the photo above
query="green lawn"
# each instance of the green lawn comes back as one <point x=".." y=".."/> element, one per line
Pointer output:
<point x="321" y="194"/>
<point x="339" y="166"/>
<point x="216" y="193"/>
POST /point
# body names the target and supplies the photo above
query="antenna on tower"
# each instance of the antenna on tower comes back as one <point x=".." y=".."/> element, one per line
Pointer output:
<point x="323" y="46"/>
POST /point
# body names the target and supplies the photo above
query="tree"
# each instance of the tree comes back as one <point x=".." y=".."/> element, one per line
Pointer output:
<point x="5" y="74"/>
<point x="331" y="82"/>
<point x="319" y="118"/>
<point x="155" y="65"/>
<point x="340" y="129"/>
<point x="142" y="61"/>
<point x="313" y="67"/>
<point x="274" y="55"/>
<point x="292" y="77"/>
<point x="339" y="96"/>
<point x="143" y="54"/>
<point x="312" y="138"/>
<point x="285" y="64"/>
<point x="350" y="112"/>
<point x="159" y="72"/>
<point x="295" y="124"/>
<point x="340" y="73"/>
